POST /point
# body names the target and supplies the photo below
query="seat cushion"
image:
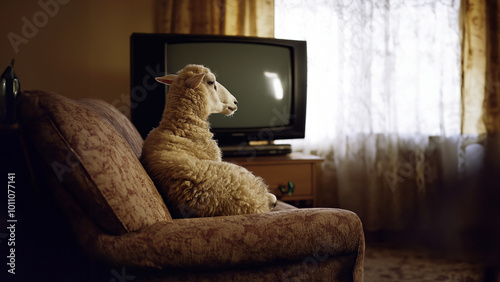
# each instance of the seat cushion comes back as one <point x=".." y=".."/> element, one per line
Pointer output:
<point x="92" y="150"/>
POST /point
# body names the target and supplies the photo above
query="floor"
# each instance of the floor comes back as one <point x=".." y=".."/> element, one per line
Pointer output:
<point x="387" y="262"/>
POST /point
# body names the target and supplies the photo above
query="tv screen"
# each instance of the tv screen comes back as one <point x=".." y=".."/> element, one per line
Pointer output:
<point x="260" y="80"/>
<point x="267" y="76"/>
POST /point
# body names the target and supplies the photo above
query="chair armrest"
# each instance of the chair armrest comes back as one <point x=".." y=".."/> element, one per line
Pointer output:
<point x="219" y="242"/>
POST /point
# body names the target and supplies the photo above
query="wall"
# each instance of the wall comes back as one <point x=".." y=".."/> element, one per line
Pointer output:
<point x="77" y="48"/>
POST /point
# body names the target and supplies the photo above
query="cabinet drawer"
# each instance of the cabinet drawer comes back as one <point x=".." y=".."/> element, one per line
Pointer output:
<point x="279" y="175"/>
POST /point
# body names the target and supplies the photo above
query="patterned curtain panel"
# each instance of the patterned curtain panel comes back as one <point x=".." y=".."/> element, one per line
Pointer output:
<point x="480" y="66"/>
<point x="222" y="17"/>
<point x="480" y="23"/>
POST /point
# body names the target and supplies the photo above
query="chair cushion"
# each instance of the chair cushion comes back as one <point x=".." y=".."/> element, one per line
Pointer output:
<point x="93" y="151"/>
<point x="118" y="120"/>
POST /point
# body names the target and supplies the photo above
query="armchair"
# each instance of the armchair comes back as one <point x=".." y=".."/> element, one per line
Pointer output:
<point x="85" y="153"/>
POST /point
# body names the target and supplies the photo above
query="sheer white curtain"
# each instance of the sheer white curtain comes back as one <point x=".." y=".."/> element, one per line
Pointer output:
<point x="384" y="103"/>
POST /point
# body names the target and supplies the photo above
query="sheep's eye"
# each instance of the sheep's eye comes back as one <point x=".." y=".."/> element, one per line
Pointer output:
<point x="212" y="82"/>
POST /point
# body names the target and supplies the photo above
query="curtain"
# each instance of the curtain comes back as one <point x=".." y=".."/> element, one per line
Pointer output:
<point x="481" y="66"/>
<point x="384" y="104"/>
<point x="222" y="17"/>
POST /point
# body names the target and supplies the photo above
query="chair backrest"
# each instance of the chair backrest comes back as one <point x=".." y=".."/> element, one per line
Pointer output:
<point x="93" y="149"/>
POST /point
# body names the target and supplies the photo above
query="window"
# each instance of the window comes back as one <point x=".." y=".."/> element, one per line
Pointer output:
<point x="378" y="66"/>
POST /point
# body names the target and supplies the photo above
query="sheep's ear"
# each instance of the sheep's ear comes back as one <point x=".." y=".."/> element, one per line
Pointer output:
<point x="167" y="79"/>
<point x="195" y="81"/>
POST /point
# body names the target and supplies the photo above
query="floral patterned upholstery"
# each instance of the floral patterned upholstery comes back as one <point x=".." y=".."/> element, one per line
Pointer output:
<point x="94" y="162"/>
<point x="119" y="218"/>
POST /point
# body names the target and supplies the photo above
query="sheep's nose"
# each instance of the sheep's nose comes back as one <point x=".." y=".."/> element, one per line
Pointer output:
<point x="235" y="104"/>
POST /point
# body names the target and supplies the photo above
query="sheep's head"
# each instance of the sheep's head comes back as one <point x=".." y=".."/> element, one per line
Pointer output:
<point x="217" y="97"/>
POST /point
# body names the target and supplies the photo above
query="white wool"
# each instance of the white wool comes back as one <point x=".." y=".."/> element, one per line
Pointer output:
<point x="185" y="162"/>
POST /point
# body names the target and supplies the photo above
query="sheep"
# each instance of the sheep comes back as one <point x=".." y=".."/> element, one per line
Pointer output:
<point x="185" y="161"/>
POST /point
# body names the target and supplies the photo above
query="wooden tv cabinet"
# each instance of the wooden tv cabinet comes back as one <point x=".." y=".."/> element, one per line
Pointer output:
<point x="277" y="171"/>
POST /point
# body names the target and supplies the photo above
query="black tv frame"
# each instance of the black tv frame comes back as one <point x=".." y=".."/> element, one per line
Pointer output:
<point x="147" y="97"/>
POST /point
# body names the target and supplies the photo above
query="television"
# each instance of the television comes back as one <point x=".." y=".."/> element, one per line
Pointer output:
<point x="267" y="76"/>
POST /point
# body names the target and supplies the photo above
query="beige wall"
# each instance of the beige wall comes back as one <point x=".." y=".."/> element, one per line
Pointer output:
<point x="78" y="48"/>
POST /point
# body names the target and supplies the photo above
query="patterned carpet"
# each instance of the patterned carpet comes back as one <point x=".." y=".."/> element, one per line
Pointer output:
<point x="385" y="262"/>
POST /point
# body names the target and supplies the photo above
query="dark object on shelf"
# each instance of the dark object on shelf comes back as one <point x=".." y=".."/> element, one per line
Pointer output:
<point x="9" y="87"/>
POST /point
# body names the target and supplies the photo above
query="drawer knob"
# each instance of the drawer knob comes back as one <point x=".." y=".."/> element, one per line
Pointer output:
<point x="289" y="188"/>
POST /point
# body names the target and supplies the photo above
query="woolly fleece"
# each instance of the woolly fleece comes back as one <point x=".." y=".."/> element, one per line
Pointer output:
<point x="185" y="162"/>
